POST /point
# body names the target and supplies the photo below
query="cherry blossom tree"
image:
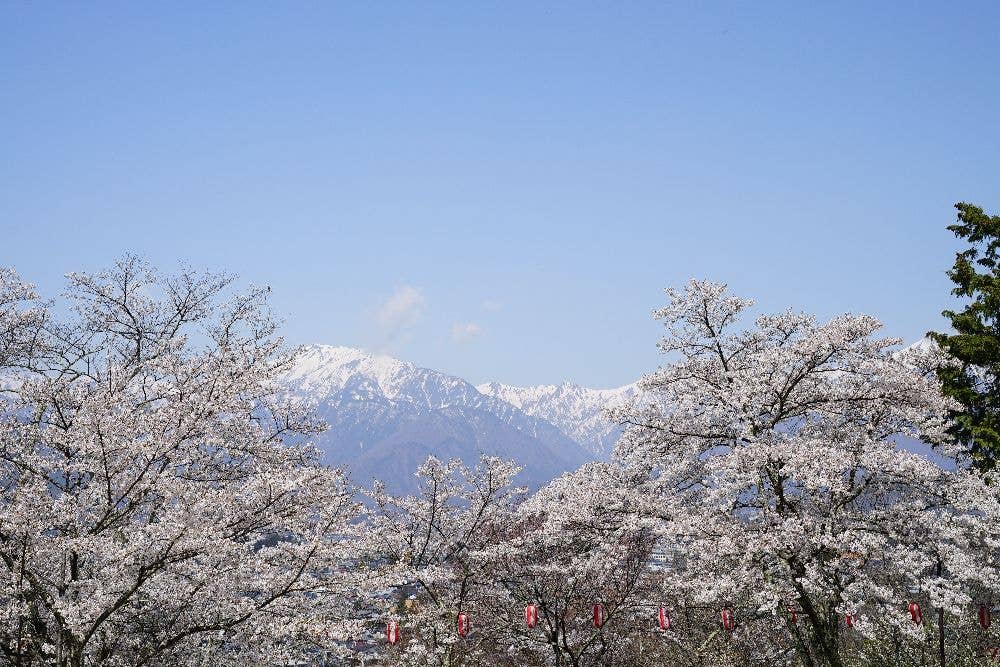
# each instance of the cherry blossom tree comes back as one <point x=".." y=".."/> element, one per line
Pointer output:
<point x="785" y="490"/>
<point x="424" y="547"/>
<point x="20" y="319"/>
<point x="471" y="543"/>
<point x="772" y="452"/>
<point x="154" y="507"/>
<point x="577" y="543"/>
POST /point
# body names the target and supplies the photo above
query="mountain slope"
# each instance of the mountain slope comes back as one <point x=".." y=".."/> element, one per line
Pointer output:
<point x="577" y="411"/>
<point x="386" y="416"/>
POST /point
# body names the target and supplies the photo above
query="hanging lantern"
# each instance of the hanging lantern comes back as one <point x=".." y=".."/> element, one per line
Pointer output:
<point x="392" y="632"/>
<point x="664" y="619"/>
<point x="793" y="614"/>
<point x="531" y="615"/>
<point x="849" y="619"/>
<point x="916" y="614"/>
<point x="463" y="625"/>
<point x="727" y="619"/>
<point x="599" y="615"/>
<point x="984" y="617"/>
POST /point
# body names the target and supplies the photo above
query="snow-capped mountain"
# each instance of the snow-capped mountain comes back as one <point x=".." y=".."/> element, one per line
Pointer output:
<point x="577" y="411"/>
<point x="386" y="416"/>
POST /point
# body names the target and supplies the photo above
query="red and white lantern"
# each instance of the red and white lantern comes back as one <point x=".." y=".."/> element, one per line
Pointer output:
<point x="531" y="615"/>
<point x="392" y="632"/>
<point x="664" y="618"/>
<point x="984" y="616"/>
<point x="849" y="619"/>
<point x="599" y="615"/>
<point x="463" y="625"/>
<point x="916" y="614"/>
<point x="793" y="614"/>
<point x="727" y="619"/>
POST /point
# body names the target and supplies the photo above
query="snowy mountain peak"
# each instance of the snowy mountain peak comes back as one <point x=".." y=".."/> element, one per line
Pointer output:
<point x="386" y="416"/>
<point x="328" y="368"/>
<point x="579" y="412"/>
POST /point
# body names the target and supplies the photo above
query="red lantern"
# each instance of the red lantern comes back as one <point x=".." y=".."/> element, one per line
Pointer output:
<point x="531" y="615"/>
<point x="664" y="618"/>
<point x="793" y="614"/>
<point x="392" y="632"/>
<point x="463" y="625"/>
<point x="849" y="619"/>
<point x="727" y="620"/>
<point x="599" y="615"/>
<point x="916" y="614"/>
<point x="984" y="617"/>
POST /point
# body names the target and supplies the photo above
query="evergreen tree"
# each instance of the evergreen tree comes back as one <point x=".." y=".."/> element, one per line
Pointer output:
<point x="975" y="343"/>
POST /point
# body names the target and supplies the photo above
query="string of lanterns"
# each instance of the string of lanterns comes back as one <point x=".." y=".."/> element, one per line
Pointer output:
<point x="664" y="621"/>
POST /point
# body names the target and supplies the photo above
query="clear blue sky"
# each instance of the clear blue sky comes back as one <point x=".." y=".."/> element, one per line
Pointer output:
<point x="502" y="191"/>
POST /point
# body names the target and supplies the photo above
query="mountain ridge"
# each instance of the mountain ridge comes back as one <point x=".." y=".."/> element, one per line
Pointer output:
<point x="578" y="411"/>
<point x="387" y="415"/>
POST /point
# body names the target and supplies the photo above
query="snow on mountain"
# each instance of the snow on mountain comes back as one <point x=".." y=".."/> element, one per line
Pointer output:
<point x="386" y="416"/>
<point x="326" y="369"/>
<point x="577" y="411"/>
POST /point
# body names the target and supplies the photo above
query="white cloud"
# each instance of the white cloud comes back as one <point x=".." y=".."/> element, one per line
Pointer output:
<point x="492" y="305"/>
<point x="399" y="313"/>
<point x="465" y="332"/>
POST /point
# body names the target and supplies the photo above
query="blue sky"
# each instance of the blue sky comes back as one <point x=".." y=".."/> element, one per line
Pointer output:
<point x="501" y="191"/>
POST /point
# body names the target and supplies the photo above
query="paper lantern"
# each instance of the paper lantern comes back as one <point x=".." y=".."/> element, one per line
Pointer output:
<point x="984" y="617"/>
<point x="727" y="619"/>
<point x="664" y="618"/>
<point x="599" y="615"/>
<point x="463" y="625"/>
<point x="793" y="614"/>
<point x="392" y="632"/>
<point x="849" y="619"/>
<point x="916" y="614"/>
<point x="531" y="615"/>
